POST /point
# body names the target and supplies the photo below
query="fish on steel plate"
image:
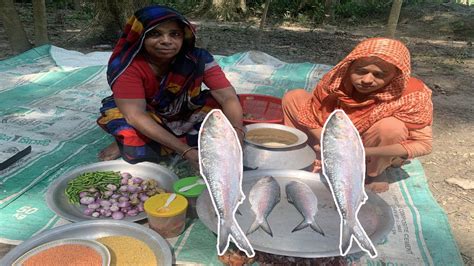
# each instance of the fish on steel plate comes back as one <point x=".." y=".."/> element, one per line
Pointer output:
<point x="343" y="165"/>
<point x="220" y="163"/>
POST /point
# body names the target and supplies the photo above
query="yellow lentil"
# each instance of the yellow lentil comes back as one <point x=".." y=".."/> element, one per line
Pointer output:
<point x="125" y="250"/>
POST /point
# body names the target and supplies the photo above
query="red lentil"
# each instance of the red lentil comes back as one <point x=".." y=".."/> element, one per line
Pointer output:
<point x="67" y="254"/>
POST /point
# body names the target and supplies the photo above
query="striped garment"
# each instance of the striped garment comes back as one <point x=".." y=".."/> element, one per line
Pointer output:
<point x="179" y="104"/>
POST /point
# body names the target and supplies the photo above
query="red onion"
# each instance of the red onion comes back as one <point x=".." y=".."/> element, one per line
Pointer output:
<point x="117" y="215"/>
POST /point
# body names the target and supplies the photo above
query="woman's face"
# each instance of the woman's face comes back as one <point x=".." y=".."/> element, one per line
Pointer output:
<point x="370" y="74"/>
<point x="164" y="41"/>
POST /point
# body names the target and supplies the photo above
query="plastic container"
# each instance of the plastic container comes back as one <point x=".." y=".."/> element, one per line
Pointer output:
<point x="259" y="108"/>
<point x="170" y="221"/>
<point x="191" y="194"/>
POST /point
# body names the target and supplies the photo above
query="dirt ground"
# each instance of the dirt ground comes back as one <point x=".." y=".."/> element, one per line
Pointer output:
<point x="440" y="39"/>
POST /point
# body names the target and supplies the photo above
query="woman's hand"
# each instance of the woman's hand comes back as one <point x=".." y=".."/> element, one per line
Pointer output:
<point x="192" y="157"/>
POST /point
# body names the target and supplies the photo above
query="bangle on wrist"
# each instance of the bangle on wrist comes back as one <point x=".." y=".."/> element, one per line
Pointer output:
<point x="186" y="151"/>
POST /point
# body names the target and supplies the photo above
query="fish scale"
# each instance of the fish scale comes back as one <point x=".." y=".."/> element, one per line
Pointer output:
<point x="343" y="165"/>
<point x="263" y="197"/>
<point x="220" y="163"/>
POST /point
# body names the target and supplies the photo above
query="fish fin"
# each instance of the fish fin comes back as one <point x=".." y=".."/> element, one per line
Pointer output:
<point x="363" y="240"/>
<point x="241" y="240"/>
<point x="223" y="240"/>
<point x="345" y="239"/>
<point x="255" y="225"/>
<point x="315" y="226"/>
<point x="266" y="227"/>
<point x="300" y="226"/>
<point x="238" y="212"/>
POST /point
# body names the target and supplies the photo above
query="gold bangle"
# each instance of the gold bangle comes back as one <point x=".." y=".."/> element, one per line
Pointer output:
<point x="186" y="151"/>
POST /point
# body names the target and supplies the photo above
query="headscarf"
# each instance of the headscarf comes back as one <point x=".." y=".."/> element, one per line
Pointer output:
<point x="134" y="33"/>
<point x="179" y="101"/>
<point x="404" y="98"/>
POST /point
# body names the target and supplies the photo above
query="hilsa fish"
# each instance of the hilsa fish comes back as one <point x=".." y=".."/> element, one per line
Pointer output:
<point x="343" y="165"/>
<point x="221" y="165"/>
<point x="302" y="197"/>
<point x="263" y="196"/>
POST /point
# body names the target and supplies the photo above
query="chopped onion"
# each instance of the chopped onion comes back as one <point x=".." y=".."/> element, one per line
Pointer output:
<point x="95" y="214"/>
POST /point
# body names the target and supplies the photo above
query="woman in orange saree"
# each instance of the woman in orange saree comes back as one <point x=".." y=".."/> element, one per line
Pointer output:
<point x="392" y="111"/>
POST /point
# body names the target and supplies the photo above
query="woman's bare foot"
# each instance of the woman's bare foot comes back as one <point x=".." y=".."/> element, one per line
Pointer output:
<point x="109" y="153"/>
<point x="377" y="184"/>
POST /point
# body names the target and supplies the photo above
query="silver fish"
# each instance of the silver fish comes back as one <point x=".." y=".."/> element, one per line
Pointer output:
<point x="220" y="163"/>
<point x="263" y="196"/>
<point x="301" y="195"/>
<point x="343" y="157"/>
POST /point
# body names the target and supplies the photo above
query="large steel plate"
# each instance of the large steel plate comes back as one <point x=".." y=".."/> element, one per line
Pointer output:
<point x="375" y="216"/>
<point x="58" y="202"/>
<point x="92" y="230"/>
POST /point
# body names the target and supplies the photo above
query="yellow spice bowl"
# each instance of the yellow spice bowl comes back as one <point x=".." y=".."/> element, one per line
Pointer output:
<point x="170" y="221"/>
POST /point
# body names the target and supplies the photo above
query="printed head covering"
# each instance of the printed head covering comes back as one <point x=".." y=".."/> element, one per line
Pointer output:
<point x="135" y="31"/>
<point x="404" y="98"/>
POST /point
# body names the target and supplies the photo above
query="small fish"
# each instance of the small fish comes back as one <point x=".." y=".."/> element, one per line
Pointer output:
<point x="343" y="165"/>
<point x="263" y="196"/>
<point x="221" y="165"/>
<point x="302" y="197"/>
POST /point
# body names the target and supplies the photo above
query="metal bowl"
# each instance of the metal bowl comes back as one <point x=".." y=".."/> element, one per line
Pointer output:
<point x="274" y="146"/>
<point x="92" y="230"/>
<point x="375" y="216"/>
<point x="58" y="202"/>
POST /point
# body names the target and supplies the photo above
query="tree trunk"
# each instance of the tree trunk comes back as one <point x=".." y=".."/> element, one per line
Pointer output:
<point x="109" y="20"/>
<point x="41" y="28"/>
<point x="330" y="10"/>
<point x="393" y="18"/>
<point x="13" y="27"/>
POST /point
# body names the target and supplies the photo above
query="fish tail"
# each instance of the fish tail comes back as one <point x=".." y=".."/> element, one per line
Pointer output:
<point x="315" y="226"/>
<point x="363" y="240"/>
<point x="255" y="225"/>
<point x="266" y="227"/>
<point x="223" y="237"/>
<point x="260" y="224"/>
<point x="300" y="226"/>
<point x="355" y="229"/>
<point x="346" y="237"/>
<point x="241" y="240"/>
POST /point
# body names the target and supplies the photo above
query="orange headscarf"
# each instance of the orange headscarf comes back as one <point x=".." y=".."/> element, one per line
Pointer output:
<point x="404" y="98"/>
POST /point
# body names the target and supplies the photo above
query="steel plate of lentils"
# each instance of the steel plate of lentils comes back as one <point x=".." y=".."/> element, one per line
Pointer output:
<point x="125" y="250"/>
<point x="67" y="254"/>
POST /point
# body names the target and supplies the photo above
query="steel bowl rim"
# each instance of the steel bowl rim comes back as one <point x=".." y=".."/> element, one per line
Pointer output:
<point x="302" y="137"/>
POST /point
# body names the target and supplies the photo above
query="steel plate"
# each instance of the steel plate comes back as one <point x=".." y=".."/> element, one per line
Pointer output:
<point x="58" y="202"/>
<point x="375" y="216"/>
<point x="91" y="230"/>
